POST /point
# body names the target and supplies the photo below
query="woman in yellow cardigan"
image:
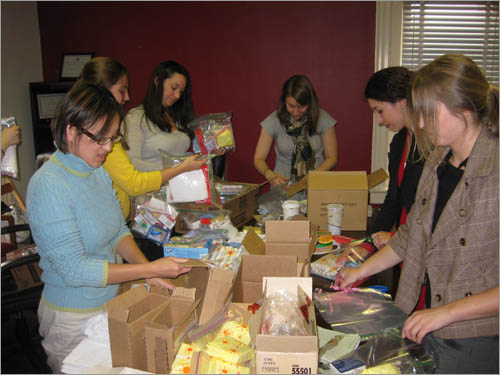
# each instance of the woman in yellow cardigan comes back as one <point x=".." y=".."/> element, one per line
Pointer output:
<point x="127" y="181"/>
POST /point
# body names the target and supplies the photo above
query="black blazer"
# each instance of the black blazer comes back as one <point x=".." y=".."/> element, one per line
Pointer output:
<point x="404" y="196"/>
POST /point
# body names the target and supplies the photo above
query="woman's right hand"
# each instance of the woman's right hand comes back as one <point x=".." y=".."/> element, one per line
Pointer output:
<point x="170" y="267"/>
<point x="346" y="277"/>
<point x="277" y="179"/>
<point x="380" y="239"/>
<point x="11" y="136"/>
<point x="193" y="163"/>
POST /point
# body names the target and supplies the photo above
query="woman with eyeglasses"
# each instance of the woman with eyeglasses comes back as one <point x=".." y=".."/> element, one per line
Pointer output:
<point x="127" y="180"/>
<point x="77" y="224"/>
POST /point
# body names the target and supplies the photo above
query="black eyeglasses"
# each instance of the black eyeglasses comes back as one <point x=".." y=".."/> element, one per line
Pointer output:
<point x="100" y="140"/>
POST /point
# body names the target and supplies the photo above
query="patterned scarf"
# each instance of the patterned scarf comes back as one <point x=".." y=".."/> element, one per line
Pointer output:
<point x="303" y="158"/>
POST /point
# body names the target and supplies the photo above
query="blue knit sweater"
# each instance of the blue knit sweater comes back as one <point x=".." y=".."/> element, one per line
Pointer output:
<point x="76" y="222"/>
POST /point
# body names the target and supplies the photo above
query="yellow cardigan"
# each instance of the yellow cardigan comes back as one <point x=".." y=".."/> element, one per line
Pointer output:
<point x="128" y="181"/>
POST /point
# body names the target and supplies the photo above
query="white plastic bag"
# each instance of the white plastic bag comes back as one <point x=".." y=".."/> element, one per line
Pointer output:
<point x="9" y="161"/>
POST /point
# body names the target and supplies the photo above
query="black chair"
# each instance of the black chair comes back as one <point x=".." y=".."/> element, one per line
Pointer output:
<point x="22" y="351"/>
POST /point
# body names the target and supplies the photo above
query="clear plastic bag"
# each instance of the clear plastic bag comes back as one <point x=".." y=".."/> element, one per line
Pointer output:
<point x="363" y="311"/>
<point x="270" y="203"/>
<point x="193" y="186"/>
<point x="154" y="218"/>
<point x="281" y="315"/>
<point x="10" y="166"/>
<point x="387" y="352"/>
<point x="213" y="132"/>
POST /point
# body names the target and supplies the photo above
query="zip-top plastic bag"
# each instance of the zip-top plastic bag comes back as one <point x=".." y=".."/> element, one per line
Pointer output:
<point x="193" y="186"/>
<point x="386" y="353"/>
<point x="154" y="218"/>
<point x="213" y="132"/>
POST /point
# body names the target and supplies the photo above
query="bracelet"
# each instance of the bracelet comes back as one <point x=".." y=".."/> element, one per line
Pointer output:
<point x="265" y="170"/>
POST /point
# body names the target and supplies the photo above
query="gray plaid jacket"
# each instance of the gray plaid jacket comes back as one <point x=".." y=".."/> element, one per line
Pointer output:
<point x="461" y="256"/>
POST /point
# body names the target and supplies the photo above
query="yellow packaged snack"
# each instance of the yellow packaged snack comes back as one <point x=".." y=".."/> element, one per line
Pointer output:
<point x="236" y="330"/>
<point x="182" y="361"/>
<point x="203" y="363"/>
<point x="230" y="350"/>
<point x="224" y="138"/>
<point x="387" y="368"/>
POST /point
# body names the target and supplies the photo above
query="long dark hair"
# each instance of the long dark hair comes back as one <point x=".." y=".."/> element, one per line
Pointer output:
<point x="390" y="84"/>
<point x="83" y="106"/>
<point x="105" y="72"/>
<point x="300" y="88"/>
<point x="182" y="111"/>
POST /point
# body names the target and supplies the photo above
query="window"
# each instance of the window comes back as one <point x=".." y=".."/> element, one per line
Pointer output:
<point x="431" y="29"/>
<point x="413" y="33"/>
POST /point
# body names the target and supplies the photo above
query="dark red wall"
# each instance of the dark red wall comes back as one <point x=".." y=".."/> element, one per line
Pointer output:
<point x="238" y="55"/>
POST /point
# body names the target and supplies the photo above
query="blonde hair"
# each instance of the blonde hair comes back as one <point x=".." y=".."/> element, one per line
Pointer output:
<point x="458" y="83"/>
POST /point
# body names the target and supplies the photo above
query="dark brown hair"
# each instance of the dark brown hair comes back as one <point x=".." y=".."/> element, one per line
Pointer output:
<point x="83" y="106"/>
<point x="300" y="88"/>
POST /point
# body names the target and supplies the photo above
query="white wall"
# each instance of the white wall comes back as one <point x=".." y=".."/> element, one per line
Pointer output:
<point x="21" y="63"/>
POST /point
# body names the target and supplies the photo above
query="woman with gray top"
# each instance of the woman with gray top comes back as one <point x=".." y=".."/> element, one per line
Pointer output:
<point x="160" y="121"/>
<point x="304" y="135"/>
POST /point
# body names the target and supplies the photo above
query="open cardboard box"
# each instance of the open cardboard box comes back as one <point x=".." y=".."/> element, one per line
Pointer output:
<point x="242" y="206"/>
<point x="164" y="333"/>
<point x="347" y="188"/>
<point x="127" y="315"/>
<point x="253" y="267"/>
<point x="286" y="354"/>
<point x="213" y="286"/>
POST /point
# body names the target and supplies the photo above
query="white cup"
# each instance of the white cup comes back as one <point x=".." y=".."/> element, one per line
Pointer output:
<point x="290" y="209"/>
<point x="335" y="214"/>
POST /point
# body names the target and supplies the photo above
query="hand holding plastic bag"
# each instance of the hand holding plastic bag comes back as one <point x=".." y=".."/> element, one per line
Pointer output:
<point x="11" y="137"/>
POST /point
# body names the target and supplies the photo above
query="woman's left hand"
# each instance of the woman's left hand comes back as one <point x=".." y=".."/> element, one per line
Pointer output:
<point x="161" y="283"/>
<point x="425" y="321"/>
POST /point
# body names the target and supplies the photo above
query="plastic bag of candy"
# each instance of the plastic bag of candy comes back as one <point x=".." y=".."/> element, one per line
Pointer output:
<point x="154" y="218"/>
<point x="213" y="132"/>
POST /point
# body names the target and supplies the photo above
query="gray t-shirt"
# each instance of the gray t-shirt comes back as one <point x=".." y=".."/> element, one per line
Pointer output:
<point x="145" y="138"/>
<point x="284" y="143"/>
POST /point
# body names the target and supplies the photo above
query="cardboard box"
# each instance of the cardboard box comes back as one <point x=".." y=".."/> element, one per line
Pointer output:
<point x="347" y="188"/>
<point x="286" y="354"/>
<point x="213" y="286"/>
<point x="292" y="237"/>
<point x="257" y="265"/>
<point x="165" y="332"/>
<point x="127" y="316"/>
<point x="242" y="206"/>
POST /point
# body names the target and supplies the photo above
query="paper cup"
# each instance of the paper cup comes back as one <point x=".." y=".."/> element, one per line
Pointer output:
<point x="335" y="214"/>
<point x="290" y="209"/>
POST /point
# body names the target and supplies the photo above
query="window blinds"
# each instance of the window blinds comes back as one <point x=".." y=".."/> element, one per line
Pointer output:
<point x="432" y="28"/>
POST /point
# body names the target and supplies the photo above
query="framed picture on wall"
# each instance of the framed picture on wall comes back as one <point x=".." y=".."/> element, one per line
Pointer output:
<point x="45" y="96"/>
<point x="72" y="64"/>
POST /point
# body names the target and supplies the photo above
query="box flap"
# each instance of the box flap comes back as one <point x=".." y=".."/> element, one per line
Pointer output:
<point x="377" y="177"/>
<point x="287" y="231"/>
<point x="275" y="284"/>
<point x="297" y="187"/>
<point x="117" y="308"/>
<point x="342" y="180"/>
<point x="253" y="243"/>
<point x="195" y="263"/>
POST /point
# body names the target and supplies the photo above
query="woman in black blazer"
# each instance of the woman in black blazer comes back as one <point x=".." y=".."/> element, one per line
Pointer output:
<point x="386" y="92"/>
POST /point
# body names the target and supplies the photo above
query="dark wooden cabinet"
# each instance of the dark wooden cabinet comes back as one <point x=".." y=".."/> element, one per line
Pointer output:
<point x="44" y="98"/>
